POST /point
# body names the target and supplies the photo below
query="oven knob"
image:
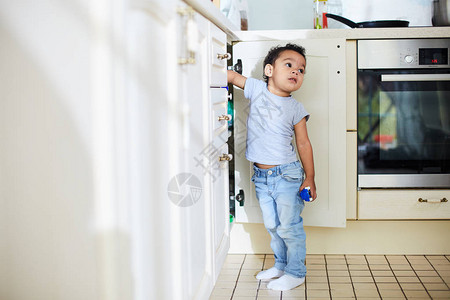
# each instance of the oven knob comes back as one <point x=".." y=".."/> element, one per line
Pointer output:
<point x="409" y="59"/>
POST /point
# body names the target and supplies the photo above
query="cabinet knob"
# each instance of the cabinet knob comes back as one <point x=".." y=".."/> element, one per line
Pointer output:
<point x="224" y="118"/>
<point x="226" y="56"/>
<point x="433" y="200"/>
<point x="225" y="157"/>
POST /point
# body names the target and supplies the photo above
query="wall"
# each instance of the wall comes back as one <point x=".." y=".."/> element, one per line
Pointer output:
<point x="285" y="14"/>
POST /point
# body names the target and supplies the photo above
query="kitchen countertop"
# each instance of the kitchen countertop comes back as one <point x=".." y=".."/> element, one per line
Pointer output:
<point x="207" y="9"/>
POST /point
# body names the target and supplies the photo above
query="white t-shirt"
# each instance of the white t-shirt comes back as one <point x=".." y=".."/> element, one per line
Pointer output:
<point x="270" y="124"/>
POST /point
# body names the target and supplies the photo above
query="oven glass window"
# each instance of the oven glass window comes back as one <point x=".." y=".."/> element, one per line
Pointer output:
<point x="403" y="126"/>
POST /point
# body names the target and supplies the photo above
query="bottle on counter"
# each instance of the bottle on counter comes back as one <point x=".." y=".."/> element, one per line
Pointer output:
<point x="320" y="18"/>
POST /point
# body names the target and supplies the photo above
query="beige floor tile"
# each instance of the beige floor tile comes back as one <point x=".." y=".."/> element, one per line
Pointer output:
<point x="232" y="266"/>
<point x="375" y="258"/>
<point x="446" y="279"/>
<point x="367" y="294"/>
<point x="342" y="279"/>
<point x="338" y="273"/>
<point x="344" y="293"/>
<point x="411" y="258"/>
<point x="244" y="293"/>
<point x="316" y="267"/>
<point x="362" y="279"/>
<point x="382" y="273"/>
<point x="219" y="297"/>
<point x="317" y="286"/>
<point x="233" y="272"/>
<point x="364" y="286"/>
<point x="360" y="273"/>
<point x="314" y="294"/>
<point x="334" y="256"/>
<point x="442" y="267"/>
<point x="391" y="294"/>
<point x="337" y="267"/>
<point x="404" y="273"/>
<point x="431" y="279"/>
<point x="402" y="267"/>
<point x="224" y="277"/>
<point x="247" y="285"/>
<point x="439" y="295"/>
<point x="256" y="265"/>
<point x="397" y="259"/>
<point x="250" y="272"/>
<point x="444" y="273"/>
<point x="247" y="278"/>
<point x="313" y="273"/>
<point x="436" y="286"/>
<point x="422" y="267"/>
<point x="224" y="285"/>
<point x="384" y="267"/>
<point x="268" y="293"/>
<point x="412" y="286"/>
<point x="317" y="279"/>
<point x="358" y="267"/>
<point x="426" y="273"/>
<point x="388" y="286"/>
<point x="417" y="294"/>
<point x="294" y="293"/>
<point x="382" y="279"/>
<point x="222" y="292"/>
<point x="410" y="279"/>
<point x="244" y="298"/>
<point x="267" y="298"/>
<point x="340" y="286"/>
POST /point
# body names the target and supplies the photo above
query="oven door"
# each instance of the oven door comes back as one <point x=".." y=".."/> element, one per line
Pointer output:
<point x="404" y="128"/>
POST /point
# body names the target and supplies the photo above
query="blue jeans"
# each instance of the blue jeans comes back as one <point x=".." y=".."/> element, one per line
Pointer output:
<point x="277" y="190"/>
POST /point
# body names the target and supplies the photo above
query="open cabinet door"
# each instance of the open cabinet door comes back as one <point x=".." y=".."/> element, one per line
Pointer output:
<point x="323" y="95"/>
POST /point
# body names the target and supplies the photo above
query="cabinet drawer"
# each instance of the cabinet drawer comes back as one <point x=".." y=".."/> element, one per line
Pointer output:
<point x="218" y="75"/>
<point x="404" y="204"/>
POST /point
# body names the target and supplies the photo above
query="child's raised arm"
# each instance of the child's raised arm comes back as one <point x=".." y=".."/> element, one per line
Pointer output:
<point x="236" y="79"/>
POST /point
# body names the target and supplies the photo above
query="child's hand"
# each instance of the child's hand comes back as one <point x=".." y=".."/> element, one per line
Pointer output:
<point x="312" y="185"/>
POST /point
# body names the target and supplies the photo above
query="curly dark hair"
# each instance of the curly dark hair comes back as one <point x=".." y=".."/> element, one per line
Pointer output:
<point x="275" y="52"/>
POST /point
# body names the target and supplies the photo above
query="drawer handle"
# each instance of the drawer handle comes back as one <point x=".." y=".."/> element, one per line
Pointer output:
<point x="224" y="118"/>
<point x="225" y="157"/>
<point x="226" y="56"/>
<point x="432" y="200"/>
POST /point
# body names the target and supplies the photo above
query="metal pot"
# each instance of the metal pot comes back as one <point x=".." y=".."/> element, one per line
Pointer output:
<point x="441" y="13"/>
<point x="369" y="24"/>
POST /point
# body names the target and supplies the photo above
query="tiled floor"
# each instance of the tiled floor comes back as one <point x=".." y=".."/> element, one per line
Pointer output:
<point x="341" y="277"/>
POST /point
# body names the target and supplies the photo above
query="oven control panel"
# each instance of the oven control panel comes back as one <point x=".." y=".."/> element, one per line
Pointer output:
<point x="403" y="54"/>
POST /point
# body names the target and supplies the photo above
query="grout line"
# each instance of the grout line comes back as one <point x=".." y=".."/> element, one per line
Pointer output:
<point x="436" y="273"/>
<point x="417" y="275"/>
<point x="350" y="275"/>
<point x="371" y="274"/>
<point x="328" y="278"/>
<point x="395" y="276"/>
<point x="238" y="277"/>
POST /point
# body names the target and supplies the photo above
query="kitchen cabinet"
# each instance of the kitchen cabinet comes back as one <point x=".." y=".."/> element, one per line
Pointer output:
<point x="401" y="204"/>
<point x="323" y="94"/>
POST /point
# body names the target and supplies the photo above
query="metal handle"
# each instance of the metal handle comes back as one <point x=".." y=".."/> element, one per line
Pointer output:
<point x="226" y="56"/>
<point x="224" y="118"/>
<point x="416" y="77"/>
<point x="225" y="157"/>
<point x="433" y="200"/>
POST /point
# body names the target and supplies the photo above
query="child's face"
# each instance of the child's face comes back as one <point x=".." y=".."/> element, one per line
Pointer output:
<point x="286" y="74"/>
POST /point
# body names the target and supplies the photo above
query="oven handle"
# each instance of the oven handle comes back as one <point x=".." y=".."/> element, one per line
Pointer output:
<point x="415" y="77"/>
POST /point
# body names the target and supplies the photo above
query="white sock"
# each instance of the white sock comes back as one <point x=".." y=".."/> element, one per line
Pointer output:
<point x="285" y="282"/>
<point x="269" y="274"/>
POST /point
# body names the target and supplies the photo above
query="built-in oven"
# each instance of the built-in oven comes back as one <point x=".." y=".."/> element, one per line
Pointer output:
<point x="404" y="113"/>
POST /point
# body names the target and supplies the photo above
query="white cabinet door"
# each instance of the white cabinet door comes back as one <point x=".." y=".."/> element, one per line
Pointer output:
<point x="323" y="95"/>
